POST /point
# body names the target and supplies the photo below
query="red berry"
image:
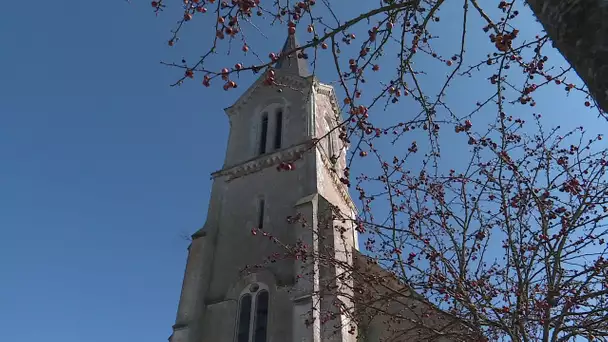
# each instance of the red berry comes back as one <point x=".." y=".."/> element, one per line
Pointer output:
<point x="587" y="103"/>
<point x="154" y="4"/>
<point x="323" y="46"/>
<point x="245" y="48"/>
<point x="291" y="30"/>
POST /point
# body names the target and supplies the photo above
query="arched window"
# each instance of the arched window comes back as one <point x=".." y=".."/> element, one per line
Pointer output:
<point x="330" y="148"/>
<point x="263" y="133"/>
<point x="252" y="325"/>
<point x="261" y="317"/>
<point x="244" y="323"/>
<point x="278" y="129"/>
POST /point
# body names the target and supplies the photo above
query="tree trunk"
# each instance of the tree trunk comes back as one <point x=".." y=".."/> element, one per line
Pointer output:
<point x="579" y="30"/>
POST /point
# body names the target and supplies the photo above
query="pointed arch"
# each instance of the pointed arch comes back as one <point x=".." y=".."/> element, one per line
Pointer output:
<point x="269" y="125"/>
<point x="253" y="313"/>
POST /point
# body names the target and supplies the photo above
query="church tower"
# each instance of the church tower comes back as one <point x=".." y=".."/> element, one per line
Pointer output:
<point x="251" y="199"/>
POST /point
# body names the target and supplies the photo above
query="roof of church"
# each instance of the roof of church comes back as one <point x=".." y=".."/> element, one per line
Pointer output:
<point x="292" y="63"/>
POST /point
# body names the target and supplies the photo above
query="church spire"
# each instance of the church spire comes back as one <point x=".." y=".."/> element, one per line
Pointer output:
<point x="294" y="63"/>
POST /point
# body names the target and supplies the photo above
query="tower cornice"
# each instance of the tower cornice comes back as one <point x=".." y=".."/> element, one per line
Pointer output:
<point x="285" y="155"/>
<point x="261" y="162"/>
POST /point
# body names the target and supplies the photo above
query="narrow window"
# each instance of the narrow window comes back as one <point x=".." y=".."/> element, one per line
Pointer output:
<point x="278" y="129"/>
<point x="244" y="319"/>
<point x="261" y="214"/>
<point x="264" y="132"/>
<point x="330" y="141"/>
<point x="261" y="317"/>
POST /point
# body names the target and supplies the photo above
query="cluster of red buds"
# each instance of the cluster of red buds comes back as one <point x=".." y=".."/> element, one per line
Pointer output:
<point x="299" y="7"/>
<point x="274" y="57"/>
<point x="206" y="81"/>
<point x="503" y="42"/>
<point x="345" y="181"/>
<point x="225" y="74"/>
<point x="396" y="92"/>
<point x="228" y="85"/>
<point x="352" y="64"/>
<point x="269" y="77"/>
<point x="360" y="110"/>
<point x="246" y="5"/>
<point x="291" y="28"/>
<point x="286" y="166"/>
<point x="464" y="128"/>
<point x="231" y="29"/>
<point x="373" y="33"/>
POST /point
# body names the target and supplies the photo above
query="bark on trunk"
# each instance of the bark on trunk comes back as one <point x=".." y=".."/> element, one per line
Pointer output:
<point x="579" y="30"/>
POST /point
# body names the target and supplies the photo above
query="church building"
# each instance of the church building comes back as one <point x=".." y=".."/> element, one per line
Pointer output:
<point x="273" y="128"/>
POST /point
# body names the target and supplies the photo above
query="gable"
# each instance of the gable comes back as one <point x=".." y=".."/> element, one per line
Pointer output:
<point x="287" y="80"/>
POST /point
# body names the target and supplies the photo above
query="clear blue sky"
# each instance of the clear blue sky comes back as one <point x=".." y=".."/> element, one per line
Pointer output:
<point x="104" y="168"/>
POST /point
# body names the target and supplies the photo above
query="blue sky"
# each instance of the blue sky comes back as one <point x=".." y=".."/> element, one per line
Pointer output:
<point x="104" y="168"/>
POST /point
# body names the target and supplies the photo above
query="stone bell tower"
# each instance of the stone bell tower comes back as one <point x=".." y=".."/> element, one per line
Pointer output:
<point x="251" y="199"/>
